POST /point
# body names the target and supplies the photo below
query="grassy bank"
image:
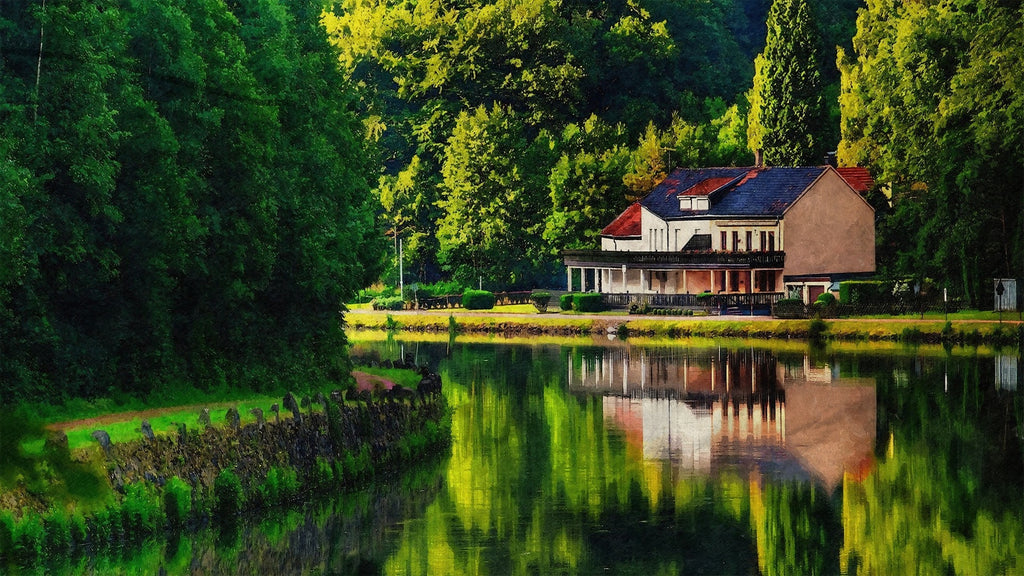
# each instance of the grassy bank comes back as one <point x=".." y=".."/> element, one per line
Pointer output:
<point x="62" y="494"/>
<point x="965" y="330"/>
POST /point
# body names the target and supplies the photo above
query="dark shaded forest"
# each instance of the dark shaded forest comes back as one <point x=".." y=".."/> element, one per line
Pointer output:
<point x="184" y="194"/>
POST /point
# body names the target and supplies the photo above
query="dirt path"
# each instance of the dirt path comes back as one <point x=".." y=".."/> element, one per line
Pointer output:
<point x="364" y="381"/>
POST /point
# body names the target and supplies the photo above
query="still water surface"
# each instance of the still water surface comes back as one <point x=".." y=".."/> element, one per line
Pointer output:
<point x="601" y="457"/>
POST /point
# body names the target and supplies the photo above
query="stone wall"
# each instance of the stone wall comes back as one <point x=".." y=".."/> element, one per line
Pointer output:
<point x="198" y="456"/>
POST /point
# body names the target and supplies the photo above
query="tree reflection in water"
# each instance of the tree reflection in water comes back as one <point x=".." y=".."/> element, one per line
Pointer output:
<point x="677" y="458"/>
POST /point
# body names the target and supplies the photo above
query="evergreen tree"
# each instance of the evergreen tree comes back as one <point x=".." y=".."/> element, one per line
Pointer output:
<point x="787" y="116"/>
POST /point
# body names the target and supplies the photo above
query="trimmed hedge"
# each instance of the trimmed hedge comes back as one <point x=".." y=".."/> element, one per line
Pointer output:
<point x="861" y="292"/>
<point x="388" y="303"/>
<point x="477" y="300"/>
<point x="565" y="301"/>
<point x="590" y="302"/>
<point x="789" y="308"/>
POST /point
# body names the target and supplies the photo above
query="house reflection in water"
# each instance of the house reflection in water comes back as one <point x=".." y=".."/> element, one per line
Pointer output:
<point x="707" y="410"/>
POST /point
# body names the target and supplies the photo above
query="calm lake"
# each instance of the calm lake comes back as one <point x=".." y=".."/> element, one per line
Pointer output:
<point x="671" y="457"/>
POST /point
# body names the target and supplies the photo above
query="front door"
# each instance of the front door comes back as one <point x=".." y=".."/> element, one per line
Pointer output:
<point x="814" y="291"/>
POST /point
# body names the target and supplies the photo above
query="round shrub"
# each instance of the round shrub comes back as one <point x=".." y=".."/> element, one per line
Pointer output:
<point x="540" y="301"/>
<point x="639" y="307"/>
<point x="477" y="300"/>
<point x="177" y="502"/>
<point x="227" y="493"/>
<point x="817" y="330"/>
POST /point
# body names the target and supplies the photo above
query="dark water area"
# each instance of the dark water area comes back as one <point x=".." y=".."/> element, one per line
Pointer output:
<point x="670" y="458"/>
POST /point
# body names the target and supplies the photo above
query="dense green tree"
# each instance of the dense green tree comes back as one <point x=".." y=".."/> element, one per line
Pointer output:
<point x="555" y="65"/>
<point x="931" y="101"/>
<point x="491" y="226"/>
<point x="184" y="197"/>
<point x="787" y="104"/>
<point x="585" y="184"/>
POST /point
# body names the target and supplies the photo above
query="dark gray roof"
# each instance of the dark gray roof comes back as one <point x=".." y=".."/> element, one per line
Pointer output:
<point x="751" y="192"/>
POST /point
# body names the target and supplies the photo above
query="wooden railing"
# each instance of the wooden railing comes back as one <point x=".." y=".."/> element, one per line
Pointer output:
<point x="719" y="301"/>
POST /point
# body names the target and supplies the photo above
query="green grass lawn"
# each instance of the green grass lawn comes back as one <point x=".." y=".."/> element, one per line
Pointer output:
<point x="125" y="425"/>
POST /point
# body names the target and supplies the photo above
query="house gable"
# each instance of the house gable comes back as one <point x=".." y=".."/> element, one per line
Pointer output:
<point x="829" y="229"/>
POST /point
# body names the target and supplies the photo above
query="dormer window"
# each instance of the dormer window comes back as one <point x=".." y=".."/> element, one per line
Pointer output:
<point x="694" y="203"/>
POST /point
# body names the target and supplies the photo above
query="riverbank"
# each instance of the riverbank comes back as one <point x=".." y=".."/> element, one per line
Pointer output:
<point x="915" y="330"/>
<point x="213" y="473"/>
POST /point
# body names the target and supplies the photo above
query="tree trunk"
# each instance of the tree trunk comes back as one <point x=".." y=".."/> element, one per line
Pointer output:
<point x="39" y="64"/>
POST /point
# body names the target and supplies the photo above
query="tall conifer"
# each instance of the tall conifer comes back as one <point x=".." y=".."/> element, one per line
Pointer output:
<point x="787" y="116"/>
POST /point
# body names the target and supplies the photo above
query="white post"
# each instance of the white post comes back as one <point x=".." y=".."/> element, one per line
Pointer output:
<point x="624" y="288"/>
<point x="583" y="279"/>
<point x="401" y="275"/>
<point x="568" y="278"/>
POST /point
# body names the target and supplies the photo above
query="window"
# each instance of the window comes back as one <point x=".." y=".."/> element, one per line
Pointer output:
<point x="750" y="241"/>
<point x="735" y="241"/>
<point x="685" y="203"/>
<point x="724" y="246"/>
<point x="771" y="241"/>
<point x="764" y="241"/>
<point x="764" y="280"/>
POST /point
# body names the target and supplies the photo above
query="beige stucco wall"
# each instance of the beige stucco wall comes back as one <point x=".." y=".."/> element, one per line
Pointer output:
<point x="830" y="229"/>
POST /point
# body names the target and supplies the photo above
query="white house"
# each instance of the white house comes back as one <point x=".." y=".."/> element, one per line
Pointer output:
<point x="761" y="231"/>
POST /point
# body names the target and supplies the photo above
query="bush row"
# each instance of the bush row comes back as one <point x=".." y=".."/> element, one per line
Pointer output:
<point x="477" y="300"/>
<point x="581" y="302"/>
<point x="388" y="303"/>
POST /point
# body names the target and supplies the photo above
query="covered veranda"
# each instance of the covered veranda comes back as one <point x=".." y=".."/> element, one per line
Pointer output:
<point x="676" y="278"/>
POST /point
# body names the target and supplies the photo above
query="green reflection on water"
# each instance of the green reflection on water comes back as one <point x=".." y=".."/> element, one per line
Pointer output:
<point x="538" y="483"/>
<point x="945" y="497"/>
<point x="542" y="480"/>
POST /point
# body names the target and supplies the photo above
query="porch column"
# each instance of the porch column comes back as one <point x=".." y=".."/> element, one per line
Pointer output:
<point x="583" y="279"/>
<point x="624" y="288"/>
<point x="568" y="278"/>
<point x="711" y="273"/>
<point x="686" y="287"/>
<point x="643" y="284"/>
<point x="750" y="282"/>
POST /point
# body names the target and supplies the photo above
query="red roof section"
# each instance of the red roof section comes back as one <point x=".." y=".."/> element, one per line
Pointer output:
<point x="705" y="187"/>
<point x="627" y="224"/>
<point x="858" y="178"/>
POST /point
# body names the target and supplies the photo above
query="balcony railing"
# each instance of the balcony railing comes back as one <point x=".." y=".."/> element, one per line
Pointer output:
<point x="705" y="260"/>
<point x="711" y="301"/>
